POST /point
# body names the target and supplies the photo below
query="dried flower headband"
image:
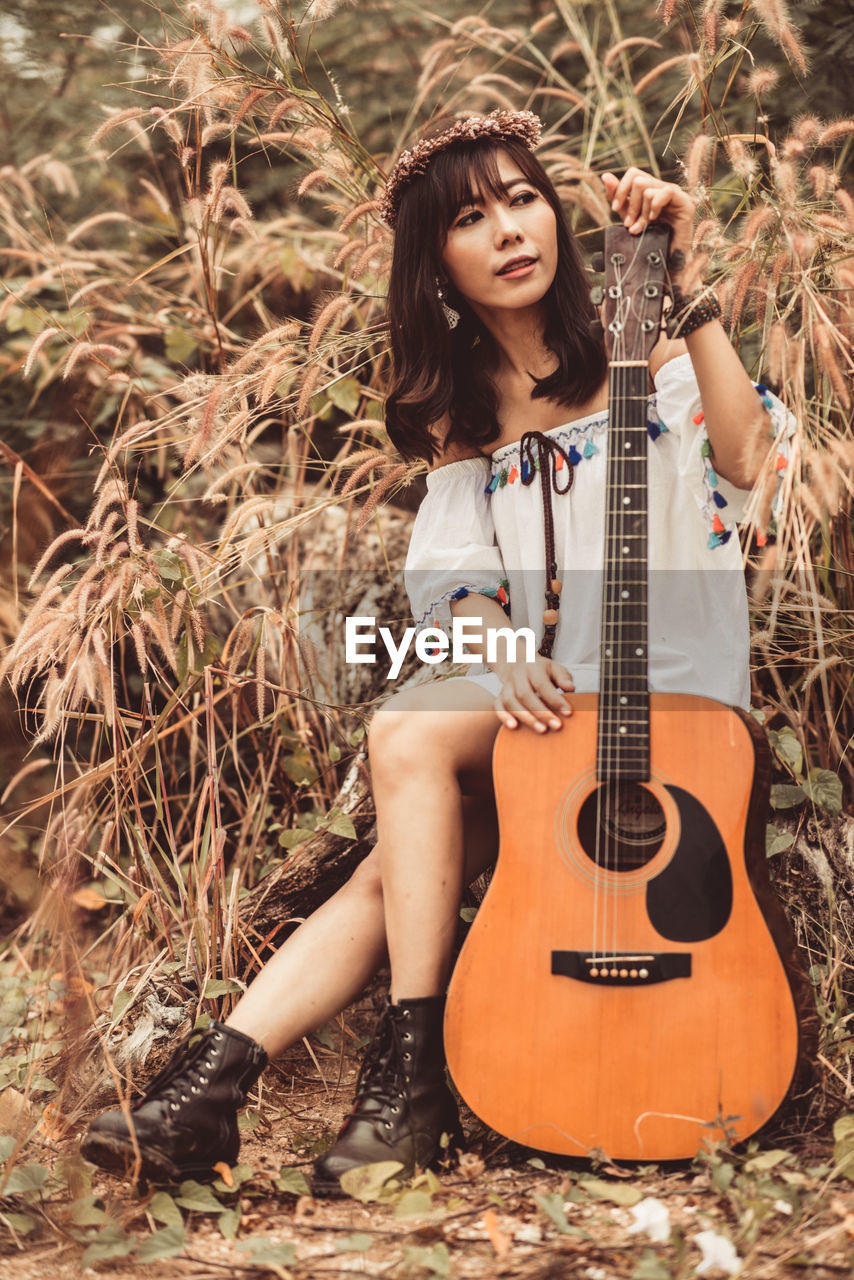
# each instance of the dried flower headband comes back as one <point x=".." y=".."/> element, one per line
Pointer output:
<point x="521" y="125"/>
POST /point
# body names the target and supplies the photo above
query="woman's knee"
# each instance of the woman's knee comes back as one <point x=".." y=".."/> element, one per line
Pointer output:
<point x="432" y="727"/>
<point x="366" y="879"/>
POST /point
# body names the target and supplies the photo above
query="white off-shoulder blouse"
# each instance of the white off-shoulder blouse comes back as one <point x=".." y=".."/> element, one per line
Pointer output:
<point x="479" y="529"/>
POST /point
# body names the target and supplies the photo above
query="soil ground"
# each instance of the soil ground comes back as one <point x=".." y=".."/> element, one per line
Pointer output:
<point x="782" y="1208"/>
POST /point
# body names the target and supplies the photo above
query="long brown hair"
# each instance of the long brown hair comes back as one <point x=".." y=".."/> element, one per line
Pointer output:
<point x="439" y="373"/>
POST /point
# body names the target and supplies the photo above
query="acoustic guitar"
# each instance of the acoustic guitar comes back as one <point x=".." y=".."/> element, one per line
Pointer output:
<point x="630" y="985"/>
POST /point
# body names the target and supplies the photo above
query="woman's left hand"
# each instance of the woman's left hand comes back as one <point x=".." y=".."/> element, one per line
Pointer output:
<point x="639" y="198"/>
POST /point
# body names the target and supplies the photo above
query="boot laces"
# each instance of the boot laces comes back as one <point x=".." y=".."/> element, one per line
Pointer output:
<point x="185" y="1072"/>
<point x="383" y="1076"/>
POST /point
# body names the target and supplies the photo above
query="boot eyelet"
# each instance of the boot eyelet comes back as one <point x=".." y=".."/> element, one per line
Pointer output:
<point x="203" y="1079"/>
<point x="395" y="1111"/>
<point x="173" y="1106"/>
<point x="218" y="1035"/>
<point x="388" y="1124"/>
<point x="407" y="1036"/>
<point x="184" y="1098"/>
<point x="407" y="1013"/>
<point x="407" y="1057"/>
<point x="193" y="1089"/>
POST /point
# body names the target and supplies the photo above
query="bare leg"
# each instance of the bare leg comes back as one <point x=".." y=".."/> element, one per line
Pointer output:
<point x="327" y="961"/>
<point x="428" y="746"/>
<point x="320" y="968"/>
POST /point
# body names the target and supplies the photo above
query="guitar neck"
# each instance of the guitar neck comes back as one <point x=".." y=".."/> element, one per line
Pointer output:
<point x="623" y="736"/>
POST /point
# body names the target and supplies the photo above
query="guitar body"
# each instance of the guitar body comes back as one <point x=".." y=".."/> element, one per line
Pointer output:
<point x="630" y="993"/>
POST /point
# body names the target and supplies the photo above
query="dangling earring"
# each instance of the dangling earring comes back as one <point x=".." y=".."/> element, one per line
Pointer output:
<point x="452" y="316"/>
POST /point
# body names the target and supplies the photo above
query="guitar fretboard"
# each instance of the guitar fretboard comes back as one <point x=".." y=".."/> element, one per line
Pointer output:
<point x="623" y="735"/>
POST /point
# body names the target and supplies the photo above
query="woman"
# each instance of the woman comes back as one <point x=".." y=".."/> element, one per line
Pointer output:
<point x="490" y="325"/>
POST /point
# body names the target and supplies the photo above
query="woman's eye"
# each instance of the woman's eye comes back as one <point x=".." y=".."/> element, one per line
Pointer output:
<point x="467" y="218"/>
<point x="524" y="197"/>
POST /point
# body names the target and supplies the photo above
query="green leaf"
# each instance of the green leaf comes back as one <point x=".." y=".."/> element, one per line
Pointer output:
<point x="367" y="1182"/>
<point x="358" y="1242"/>
<point x="293" y="1181"/>
<point x="824" y="788"/>
<point x="41" y="1084"/>
<point x="788" y="748"/>
<point x="169" y="565"/>
<point x="777" y="841"/>
<point x="197" y="1197"/>
<point x="20" y="1222"/>
<point x="240" y="1173"/>
<point x="7" y="1146"/>
<point x="722" y="1175"/>
<point x="164" y="1209"/>
<point x="165" y="1243"/>
<point x="334" y="752"/>
<point x="25" y="1179"/>
<point x="342" y="825"/>
<point x="843" y="1146"/>
<point x="298" y="766"/>
<point x="264" y="1251"/>
<point x="109" y="1243"/>
<point x="120" y="1003"/>
<point x="215" y="987"/>
<point x="766" y="1160"/>
<point x="552" y="1207"/>
<point x="87" y="1212"/>
<point x="229" y="1223"/>
<point x="651" y="1267"/>
<point x="785" y="796"/>
<point x="618" y="1192"/>
<point x="437" y="1259"/>
<point x="413" y="1204"/>
<point x="179" y="345"/>
<point x="344" y="394"/>
<point x="296" y="836"/>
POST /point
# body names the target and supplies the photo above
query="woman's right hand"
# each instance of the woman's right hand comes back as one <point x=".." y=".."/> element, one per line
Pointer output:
<point x="533" y="695"/>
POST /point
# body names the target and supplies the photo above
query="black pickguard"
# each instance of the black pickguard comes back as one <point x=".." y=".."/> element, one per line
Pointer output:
<point x="692" y="897"/>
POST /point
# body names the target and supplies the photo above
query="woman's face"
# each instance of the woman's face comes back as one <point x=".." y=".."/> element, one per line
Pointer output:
<point x="501" y="252"/>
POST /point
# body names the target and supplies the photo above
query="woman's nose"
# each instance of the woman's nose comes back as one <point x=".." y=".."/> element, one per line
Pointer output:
<point x="506" y="225"/>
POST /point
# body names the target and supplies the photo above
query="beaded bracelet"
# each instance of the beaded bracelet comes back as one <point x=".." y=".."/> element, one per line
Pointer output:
<point x="691" y="313"/>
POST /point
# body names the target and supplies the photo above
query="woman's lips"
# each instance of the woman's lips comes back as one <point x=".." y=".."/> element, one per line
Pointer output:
<point x="518" y="267"/>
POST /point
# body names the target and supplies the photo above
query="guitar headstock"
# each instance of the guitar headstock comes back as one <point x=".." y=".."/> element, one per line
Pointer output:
<point x="634" y="290"/>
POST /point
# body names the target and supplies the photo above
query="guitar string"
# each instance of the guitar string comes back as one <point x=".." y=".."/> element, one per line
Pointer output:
<point x="634" y="461"/>
<point x="623" y="579"/>
<point x="629" y="461"/>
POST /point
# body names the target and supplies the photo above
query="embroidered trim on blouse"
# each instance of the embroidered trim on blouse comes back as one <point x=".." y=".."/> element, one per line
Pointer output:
<point x="501" y="593"/>
<point x="511" y="469"/>
<point x="716" y="502"/>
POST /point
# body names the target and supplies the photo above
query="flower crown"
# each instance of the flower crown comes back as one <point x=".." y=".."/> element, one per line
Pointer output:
<point x="522" y="125"/>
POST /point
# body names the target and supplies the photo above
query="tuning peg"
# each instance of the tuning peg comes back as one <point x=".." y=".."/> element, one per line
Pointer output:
<point x="597" y="295"/>
<point x="596" y="328"/>
<point x="597" y="262"/>
<point x="676" y="261"/>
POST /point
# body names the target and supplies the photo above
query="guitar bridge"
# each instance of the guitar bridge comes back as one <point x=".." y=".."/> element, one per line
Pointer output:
<point x="621" y="969"/>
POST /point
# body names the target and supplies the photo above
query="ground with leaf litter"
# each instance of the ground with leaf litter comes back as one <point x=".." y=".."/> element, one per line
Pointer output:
<point x="779" y="1208"/>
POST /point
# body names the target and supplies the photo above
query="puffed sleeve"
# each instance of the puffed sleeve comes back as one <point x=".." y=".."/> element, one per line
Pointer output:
<point x="680" y="412"/>
<point x="453" y="550"/>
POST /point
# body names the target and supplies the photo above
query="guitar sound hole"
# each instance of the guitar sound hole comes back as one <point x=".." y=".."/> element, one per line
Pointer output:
<point x="621" y="826"/>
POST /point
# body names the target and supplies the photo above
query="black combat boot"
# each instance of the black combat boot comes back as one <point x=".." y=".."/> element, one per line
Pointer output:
<point x="403" y="1104"/>
<point x="186" y="1121"/>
